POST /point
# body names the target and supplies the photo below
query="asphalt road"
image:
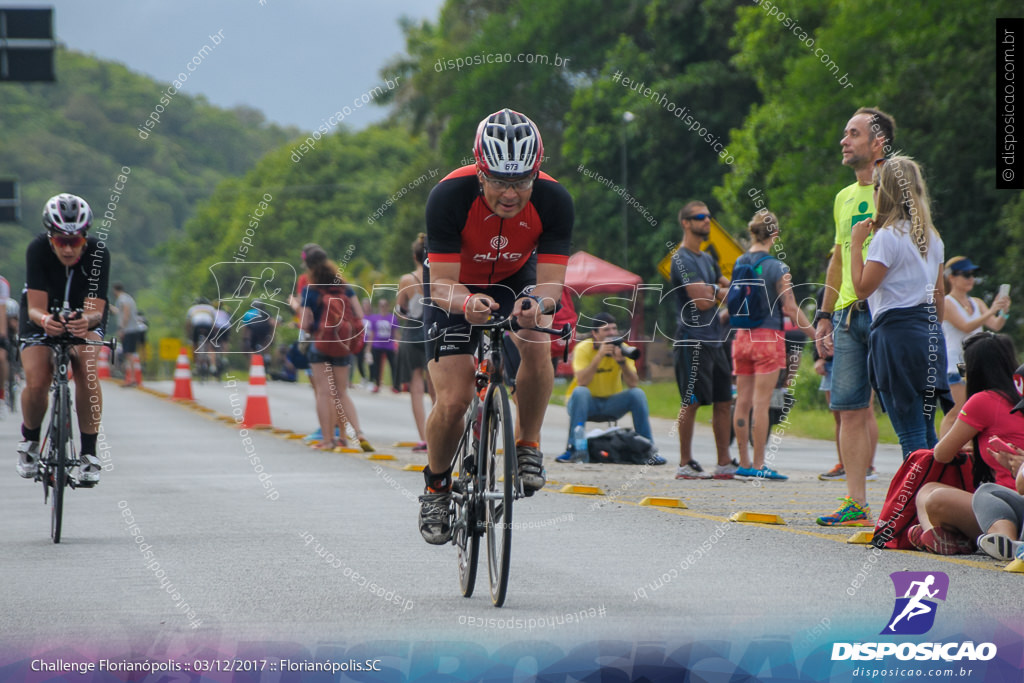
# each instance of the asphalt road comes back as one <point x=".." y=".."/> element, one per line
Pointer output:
<point x="189" y="546"/>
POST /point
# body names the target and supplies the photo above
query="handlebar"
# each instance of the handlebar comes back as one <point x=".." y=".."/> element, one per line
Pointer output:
<point x="67" y="339"/>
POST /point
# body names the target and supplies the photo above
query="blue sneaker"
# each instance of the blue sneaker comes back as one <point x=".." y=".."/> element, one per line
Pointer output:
<point x="768" y="473"/>
<point x="567" y="456"/>
<point x="744" y="473"/>
<point x="318" y="435"/>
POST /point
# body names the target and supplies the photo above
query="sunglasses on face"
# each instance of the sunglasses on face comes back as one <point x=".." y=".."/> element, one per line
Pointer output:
<point x="503" y="185"/>
<point x="73" y="241"/>
<point x="961" y="368"/>
<point x="697" y="217"/>
<point x="966" y="275"/>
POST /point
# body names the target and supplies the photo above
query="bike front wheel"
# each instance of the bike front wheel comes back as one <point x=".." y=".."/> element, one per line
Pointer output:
<point x="60" y="444"/>
<point x="498" y="453"/>
<point x="466" y="531"/>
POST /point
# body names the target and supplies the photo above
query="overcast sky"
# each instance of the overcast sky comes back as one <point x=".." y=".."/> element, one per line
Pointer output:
<point x="297" y="61"/>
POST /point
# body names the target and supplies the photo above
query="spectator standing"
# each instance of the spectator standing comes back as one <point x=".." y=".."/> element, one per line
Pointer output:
<point x="130" y="329"/>
<point x="759" y="353"/>
<point x="843" y="321"/>
<point x="703" y="372"/>
<point x="964" y="315"/>
<point x="901" y="277"/>
<point x="412" y="350"/>
<point x="381" y="328"/>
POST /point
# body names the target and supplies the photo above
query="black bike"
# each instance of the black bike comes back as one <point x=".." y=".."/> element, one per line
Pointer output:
<point x="488" y="474"/>
<point x="57" y="455"/>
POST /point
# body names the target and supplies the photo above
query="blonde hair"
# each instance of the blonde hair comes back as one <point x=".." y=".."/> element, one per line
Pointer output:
<point x="903" y="196"/>
<point x="948" y="270"/>
<point x="763" y="226"/>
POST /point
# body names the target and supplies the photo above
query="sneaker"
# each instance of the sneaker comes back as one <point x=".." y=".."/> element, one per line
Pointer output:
<point x="531" y="469"/>
<point x="365" y="445"/>
<point x="850" y="513"/>
<point x="691" y="470"/>
<point x="768" y="473"/>
<point x="656" y="459"/>
<point x="744" y="473"/>
<point x="1000" y="546"/>
<point x="421" y="447"/>
<point x="725" y="471"/>
<point x="837" y="473"/>
<point x="28" y="459"/>
<point x="914" y="536"/>
<point x="568" y="456"/>
<point x="872" y="474"/>
<point x="436" y="516"/>
<point x="941" y="542"/>
<point x="89" y="472"/>
<point x="318" y="435"/>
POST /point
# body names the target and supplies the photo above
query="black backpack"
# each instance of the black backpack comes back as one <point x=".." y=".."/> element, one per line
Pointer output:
<point x="748" y="301"/>
<point x="621" y="446"/>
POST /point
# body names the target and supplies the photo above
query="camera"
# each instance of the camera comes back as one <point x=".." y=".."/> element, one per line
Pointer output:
<point x="630" y="352"/>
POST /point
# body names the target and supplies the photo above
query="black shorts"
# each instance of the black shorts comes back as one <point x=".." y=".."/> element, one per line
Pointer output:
<point x="199" y="335"/>
<point x="455" y="336"/>
<point x="131" y="341"/>
<point x="703" y="373"/>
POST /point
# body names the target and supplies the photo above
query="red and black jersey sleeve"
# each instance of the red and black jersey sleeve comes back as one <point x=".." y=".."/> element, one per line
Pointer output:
<point x="462" y="229"/>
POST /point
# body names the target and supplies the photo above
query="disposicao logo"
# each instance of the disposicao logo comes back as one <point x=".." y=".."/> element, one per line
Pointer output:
<point x="914" y="615"/>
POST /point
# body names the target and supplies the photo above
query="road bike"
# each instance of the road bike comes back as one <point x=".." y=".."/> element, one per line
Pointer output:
<point x="58" y="457"/>
<point x="487" y="481"/>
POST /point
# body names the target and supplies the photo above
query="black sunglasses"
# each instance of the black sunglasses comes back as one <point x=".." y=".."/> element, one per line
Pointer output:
<point x="697" y="217"/>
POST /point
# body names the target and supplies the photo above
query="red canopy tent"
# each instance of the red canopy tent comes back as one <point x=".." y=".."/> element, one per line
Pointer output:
<point x="588" y="274"/>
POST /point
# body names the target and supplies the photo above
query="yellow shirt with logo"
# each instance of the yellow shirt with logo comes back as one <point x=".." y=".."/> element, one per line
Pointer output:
<point x="853" y="204"/>
<point x="607" y="379"/>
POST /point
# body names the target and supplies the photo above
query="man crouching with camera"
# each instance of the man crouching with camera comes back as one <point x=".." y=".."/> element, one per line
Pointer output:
<point x="601" y="365"/>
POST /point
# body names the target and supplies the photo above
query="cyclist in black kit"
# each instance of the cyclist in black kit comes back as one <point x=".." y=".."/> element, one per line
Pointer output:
<point x="68" y="271"/>
<point x="498" y="235"/>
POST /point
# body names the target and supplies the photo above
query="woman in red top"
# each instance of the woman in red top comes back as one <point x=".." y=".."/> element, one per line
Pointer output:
<point x="948" y="525"/>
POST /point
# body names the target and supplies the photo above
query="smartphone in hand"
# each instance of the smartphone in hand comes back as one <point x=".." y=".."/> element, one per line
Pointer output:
<point x="997" y="444"/>
<point x="1004" y="290"/>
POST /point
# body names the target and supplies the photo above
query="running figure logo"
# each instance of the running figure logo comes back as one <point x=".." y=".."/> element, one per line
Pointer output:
<point x="914" y="613"/>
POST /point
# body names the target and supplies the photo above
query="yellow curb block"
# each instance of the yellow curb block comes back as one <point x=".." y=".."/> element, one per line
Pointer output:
<point x="663" y="502"/>
<point x="416" y="468"/>
<point x="861" y="537"/>
<point x="262" y="428"/>
<point x="225" y="418"/>
<point x="380" y="456"/>
<point x="756" y="518"/>
<point x="1017" y="566"/>
<point x="582" y="490"/>
<point x="405" y="444"/>
<point x="341" y="449"/>
<point x="296" y="436"/>
<point x="277" y="430"/>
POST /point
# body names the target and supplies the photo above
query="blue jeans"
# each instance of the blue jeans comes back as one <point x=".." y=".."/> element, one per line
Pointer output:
<point x="583" y="404"/>
<point x="914" y="425"/>
<point x="850" y="387"/>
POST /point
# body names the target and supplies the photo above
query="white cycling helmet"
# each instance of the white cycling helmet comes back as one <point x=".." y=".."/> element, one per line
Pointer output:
<point x="508" y="145"/>
<point x="68" y="214"/>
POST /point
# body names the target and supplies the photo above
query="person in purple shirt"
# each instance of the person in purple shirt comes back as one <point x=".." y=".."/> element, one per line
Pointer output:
<point x="380" y="328"/>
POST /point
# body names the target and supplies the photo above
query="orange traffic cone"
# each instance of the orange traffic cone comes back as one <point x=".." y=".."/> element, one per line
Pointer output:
<point x="138" y="372"/>
<point x="182" y="378"/>
<point x="103" y="365"/>
<point x="257" y="408"/>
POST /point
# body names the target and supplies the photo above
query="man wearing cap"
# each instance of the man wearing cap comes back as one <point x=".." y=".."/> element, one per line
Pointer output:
<point x="964" y="316"/>
<point x="600" y="369"/>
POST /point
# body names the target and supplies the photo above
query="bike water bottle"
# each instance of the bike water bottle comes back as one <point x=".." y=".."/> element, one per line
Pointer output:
<point x="579" y="444"/>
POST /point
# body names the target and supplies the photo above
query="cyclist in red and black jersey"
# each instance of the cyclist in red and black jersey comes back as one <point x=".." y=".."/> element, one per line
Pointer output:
<point x="498" y="235"/>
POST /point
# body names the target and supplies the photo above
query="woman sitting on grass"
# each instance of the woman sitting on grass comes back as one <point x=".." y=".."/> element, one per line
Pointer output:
<point x="947" y="522"/>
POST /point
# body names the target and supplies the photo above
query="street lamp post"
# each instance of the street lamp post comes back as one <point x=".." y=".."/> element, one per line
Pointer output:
<point x="626" y="118"/>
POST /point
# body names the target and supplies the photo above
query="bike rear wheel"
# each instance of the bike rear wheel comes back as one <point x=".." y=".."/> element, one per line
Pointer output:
<point x="498" y="452"/>
<point x="60" y="444"/>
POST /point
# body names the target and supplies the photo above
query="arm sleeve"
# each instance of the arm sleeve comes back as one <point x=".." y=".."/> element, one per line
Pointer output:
<point x="557" y="213"/>
<point x="34" y="258"/>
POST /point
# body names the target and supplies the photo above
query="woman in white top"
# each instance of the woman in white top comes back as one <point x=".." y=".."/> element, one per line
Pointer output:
<point x="965" y="315"/>
<point x="901" y="279"/>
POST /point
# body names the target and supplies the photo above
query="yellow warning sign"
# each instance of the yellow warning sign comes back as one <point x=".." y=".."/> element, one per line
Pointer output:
<point x="720" y="243"/>
<point x="169" y="347"/>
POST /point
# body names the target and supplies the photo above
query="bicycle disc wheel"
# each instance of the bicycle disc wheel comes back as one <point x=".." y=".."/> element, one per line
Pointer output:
<point x="498" y="450"/>
<point x="466" y="533"/>
<point x="60" y="443"/>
